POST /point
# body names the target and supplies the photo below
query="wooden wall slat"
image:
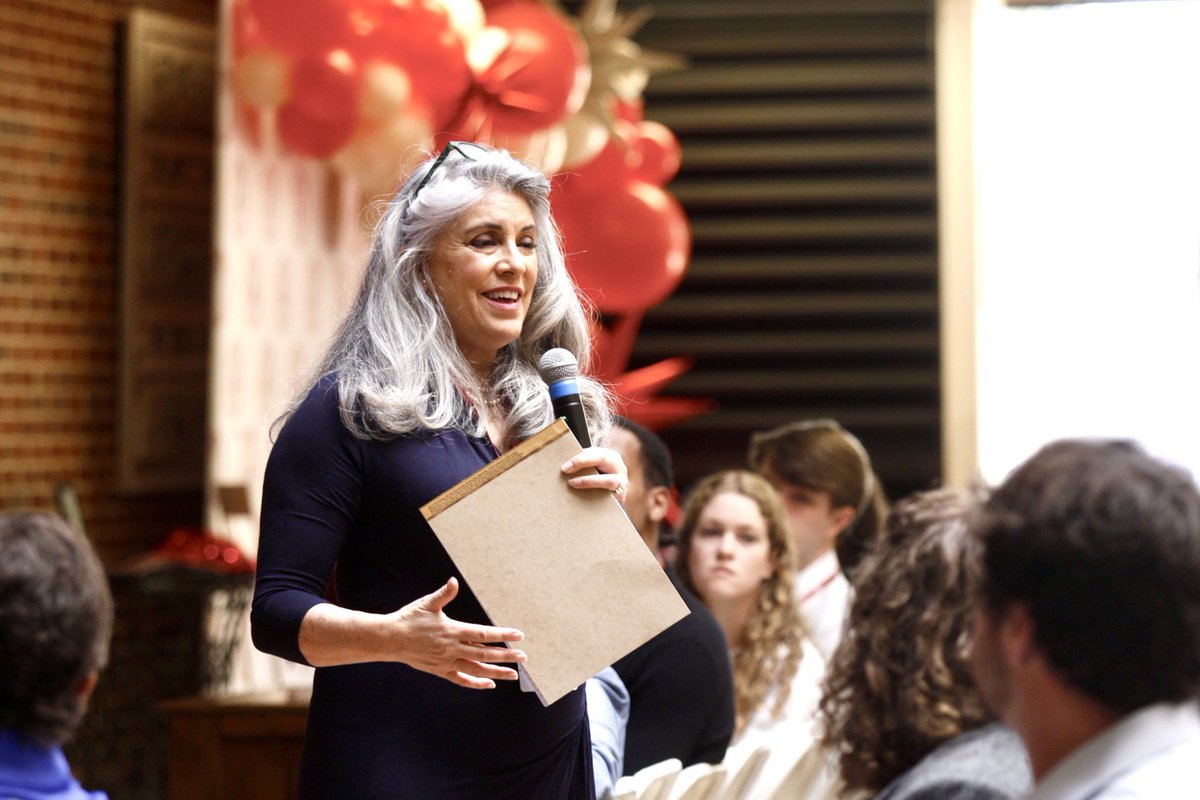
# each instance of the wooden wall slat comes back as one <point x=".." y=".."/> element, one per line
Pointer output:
<point x="783" y="382"/>
<point x="704" y="345"/>
<point x="709" y="270"/>
<point x="772" y="11"/>
<point x="704" y="39"/>
<point x="751" y="78"/>
<point x="707" y="192"/>
<point x="777" y="116"/>
<point x="792" y="230"/>
<point x="915" y="150"/>
<point x="775" y="305"/>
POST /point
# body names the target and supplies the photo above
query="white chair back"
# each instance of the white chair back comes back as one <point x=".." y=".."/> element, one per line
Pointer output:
<point x="652" y="782"/>
<point x="699" y="782"/>
<point x="743" y="776"/>
<point x="813" y="777"/>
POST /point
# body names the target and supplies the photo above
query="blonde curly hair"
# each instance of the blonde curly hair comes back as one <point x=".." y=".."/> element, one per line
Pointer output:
<point x="899" y="683"/>
<point x="767" y="658"/>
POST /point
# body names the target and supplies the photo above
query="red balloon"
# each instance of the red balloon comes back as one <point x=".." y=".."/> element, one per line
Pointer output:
<point x="418" y="37"/>
<point x="656" y="153"/>
<point x="612" y="167"/>
<point x="472" y="123"/>
<point x="245" y="33"/>
<point x="322" y="114"/>
<point x="301" y="28"/>
<point x="627" y="248"/>
<point x="541" y="74"/>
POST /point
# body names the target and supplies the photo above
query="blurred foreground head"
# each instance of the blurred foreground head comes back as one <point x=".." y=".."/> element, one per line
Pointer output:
<point x="55" y="624"/>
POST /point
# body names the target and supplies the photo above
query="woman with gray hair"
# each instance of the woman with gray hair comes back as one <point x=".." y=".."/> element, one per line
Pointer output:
<point x="432" y="374"/>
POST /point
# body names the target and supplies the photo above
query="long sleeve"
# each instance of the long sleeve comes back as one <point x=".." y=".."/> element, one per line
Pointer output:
<point x="608" y="713"/>
<point x="335" y="504"/>
<point x="311" y="496"/>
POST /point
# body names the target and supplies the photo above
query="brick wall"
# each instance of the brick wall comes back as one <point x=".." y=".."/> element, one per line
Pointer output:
<point x="59" y="284"/>
<point x="58" y="266"/>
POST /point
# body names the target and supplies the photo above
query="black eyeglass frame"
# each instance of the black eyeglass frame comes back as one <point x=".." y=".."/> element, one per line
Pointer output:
<point x="457" y="147"/>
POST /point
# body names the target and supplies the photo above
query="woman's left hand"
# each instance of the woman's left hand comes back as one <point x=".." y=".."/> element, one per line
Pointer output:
<point x="610" y="474"/>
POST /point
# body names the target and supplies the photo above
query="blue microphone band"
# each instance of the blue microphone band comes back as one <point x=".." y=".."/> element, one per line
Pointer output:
<point x="563" y="387"/>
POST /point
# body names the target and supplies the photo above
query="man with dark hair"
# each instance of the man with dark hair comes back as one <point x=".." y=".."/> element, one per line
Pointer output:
<point x="55" y="624"/>
<point x="1087" y="632"/>
<point x="650" y="479"/>
<point x="680" y="683"/>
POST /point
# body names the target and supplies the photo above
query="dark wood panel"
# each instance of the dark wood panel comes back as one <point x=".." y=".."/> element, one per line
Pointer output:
<point x="697" y="308"/>
<point x="772" y="268"/>
<point x="794" y="35"/>
<point x="749" y="78"/>
<point x="756" y="346"/>
<point x="772" y="11"/>
<point x="789" y="191"/>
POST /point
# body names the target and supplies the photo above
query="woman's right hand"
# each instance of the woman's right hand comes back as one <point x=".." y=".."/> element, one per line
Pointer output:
<point x="433" y="642"/>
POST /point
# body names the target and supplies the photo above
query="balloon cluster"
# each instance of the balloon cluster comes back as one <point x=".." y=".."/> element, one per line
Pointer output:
<point x="373" y="85"/>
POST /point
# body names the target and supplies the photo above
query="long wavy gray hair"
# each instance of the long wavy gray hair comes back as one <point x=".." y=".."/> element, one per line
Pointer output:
<point x="398" y="366"/>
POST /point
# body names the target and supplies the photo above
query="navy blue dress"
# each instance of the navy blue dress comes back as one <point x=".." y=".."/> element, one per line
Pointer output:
<point x="333" y="503"/>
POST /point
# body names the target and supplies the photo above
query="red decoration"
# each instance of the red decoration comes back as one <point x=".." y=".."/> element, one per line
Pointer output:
<point x="418" y="37"/>
<point x="365" y="82"/>
<point x="611" y="169"/>
<point x="628" y="110"/>
<point x="657" y="413"/>
<point x="613" y="345"/>
<point x="194" y="548"/>
<point x="656" y="153"/>
<point x="245" y="29"/>
<point x="301" y="28"/>
<point x="539" y="75"/>
<point x="627" y="248"/>
<point x="322" y="113"/>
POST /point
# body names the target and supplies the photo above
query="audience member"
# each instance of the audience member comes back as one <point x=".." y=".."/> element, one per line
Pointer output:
<point x="55" y="625"/>
<point x="1087" y="637"/>
<point x="608" y="717"/>
<point x="900" y="711"/>
<point x="734" y="552"/>
<point x="651" y="476"/>
<point x="834" y="506"/>
<point x="680" y="682"/>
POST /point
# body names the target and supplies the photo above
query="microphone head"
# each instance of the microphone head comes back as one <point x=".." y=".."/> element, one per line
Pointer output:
<point x="558" y="364"/>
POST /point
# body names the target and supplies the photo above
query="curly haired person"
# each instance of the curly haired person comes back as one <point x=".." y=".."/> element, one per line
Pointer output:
<point x="735" y="554"/>
<point x="901" y="711"/>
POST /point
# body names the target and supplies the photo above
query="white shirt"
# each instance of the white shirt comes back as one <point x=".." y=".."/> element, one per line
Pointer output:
<point x="789" y="735"/>
<point x="1152" y="753"/>
<point x="823" y="594"/>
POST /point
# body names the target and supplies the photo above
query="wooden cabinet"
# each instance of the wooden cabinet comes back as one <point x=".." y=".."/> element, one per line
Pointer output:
<point x="230" y="748"/>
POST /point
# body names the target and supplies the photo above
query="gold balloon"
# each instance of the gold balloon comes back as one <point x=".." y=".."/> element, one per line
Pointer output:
<point x="380" y="154"/>
<point x="261" y="78"/>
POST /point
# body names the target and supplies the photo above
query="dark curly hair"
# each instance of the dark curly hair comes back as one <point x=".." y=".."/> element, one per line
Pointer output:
<point x="1102" y="543"/>
<point x="55" y="624"/>
<point x="899" y="683"/>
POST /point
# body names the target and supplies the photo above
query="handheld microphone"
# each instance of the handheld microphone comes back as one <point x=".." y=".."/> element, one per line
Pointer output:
<point x="560" y="371"/>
